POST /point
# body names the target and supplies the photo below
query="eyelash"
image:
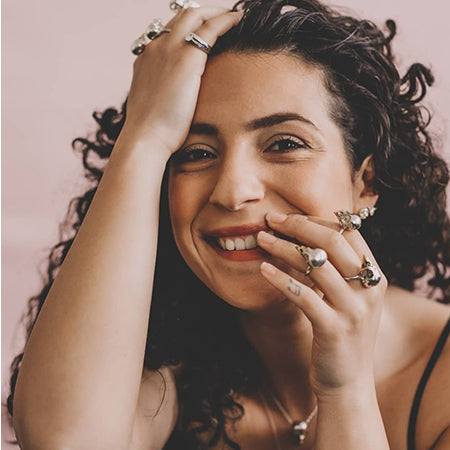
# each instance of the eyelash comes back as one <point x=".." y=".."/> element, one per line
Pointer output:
<point x="299" y="143"/>
<point x="183" y="155"/>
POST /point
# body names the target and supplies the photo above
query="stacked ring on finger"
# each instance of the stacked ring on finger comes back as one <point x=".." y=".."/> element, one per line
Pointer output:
<point x="351" y="221"/>
<point x="155" y="29"/>
<point x="348" y="220"/>
<point x="198" y="42"/>
<point x="314" y="257"/>
<point x="369" y="275"/>
<point x="177" y="5"/>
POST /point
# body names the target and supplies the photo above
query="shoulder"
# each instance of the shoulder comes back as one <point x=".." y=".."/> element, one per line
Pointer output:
<point x="424" y="321"/>
<point x="434" y="412"/>
<point x="418" y="320"/>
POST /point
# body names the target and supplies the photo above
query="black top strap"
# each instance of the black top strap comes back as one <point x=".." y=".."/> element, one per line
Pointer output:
<point x="421" y="387"/>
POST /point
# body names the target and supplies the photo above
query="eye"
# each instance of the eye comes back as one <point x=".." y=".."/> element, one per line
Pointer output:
<point x="285" y="144"/>
<point x="192" y="155"/>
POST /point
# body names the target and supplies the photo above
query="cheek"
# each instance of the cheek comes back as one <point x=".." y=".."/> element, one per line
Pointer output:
<point x="315" y="188"/>
<point x="179" y="206"/>
<point x="185" y="204"/>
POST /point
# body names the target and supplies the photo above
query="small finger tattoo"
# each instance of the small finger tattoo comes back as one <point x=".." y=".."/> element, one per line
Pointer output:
<point x="294" y="287"/>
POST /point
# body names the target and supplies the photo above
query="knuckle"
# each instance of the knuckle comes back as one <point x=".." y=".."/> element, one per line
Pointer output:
<point x="209" y="26"/>
<point x="190" y="13"/>
<point x="149" y="49"/>
<point x="295" y="220"/>
<point x="356" y="318"/>
<point x="137" y="62"/>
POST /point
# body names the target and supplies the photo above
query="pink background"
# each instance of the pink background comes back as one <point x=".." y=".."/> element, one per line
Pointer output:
<point x="63" y="60"/>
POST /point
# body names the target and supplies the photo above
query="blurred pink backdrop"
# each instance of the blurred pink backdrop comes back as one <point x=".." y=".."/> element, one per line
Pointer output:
<point x="63" y="60"/>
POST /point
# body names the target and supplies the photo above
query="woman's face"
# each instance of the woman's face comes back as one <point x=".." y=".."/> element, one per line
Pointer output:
<point x="261" y="140"/>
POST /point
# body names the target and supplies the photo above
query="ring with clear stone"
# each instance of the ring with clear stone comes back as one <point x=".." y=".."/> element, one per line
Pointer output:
<point x="155" y="29"/>
<point x="177" y="5"/>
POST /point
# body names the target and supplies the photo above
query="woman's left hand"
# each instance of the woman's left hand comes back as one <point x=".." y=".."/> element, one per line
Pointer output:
<point x="345" y="319"/>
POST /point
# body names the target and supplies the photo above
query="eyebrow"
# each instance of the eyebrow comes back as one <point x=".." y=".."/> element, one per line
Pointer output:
<point x="256" y="124"/>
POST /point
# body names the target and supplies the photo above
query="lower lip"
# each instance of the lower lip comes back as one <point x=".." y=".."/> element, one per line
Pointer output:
<point x="241" y="255"/>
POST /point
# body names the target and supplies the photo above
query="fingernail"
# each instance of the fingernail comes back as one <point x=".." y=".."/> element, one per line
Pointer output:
<point x="276" y="217"/>
<point x="266" y="237"/>
<point x="268" y="268"/>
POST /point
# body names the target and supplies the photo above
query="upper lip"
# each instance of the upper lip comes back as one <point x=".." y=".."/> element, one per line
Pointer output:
<point x="237" y="230"/>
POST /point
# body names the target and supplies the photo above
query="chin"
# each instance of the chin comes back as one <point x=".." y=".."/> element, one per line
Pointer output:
<point x="249" y="298"/>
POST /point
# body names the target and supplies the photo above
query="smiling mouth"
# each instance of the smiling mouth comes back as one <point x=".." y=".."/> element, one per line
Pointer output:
<point x="246" y="242"/>
<point x="240" y="243"/>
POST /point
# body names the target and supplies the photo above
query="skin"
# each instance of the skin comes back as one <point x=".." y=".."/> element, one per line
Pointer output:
<point x="313" y="334"/>
<point x="243" y="183"/>
<point x="322" y="340"/>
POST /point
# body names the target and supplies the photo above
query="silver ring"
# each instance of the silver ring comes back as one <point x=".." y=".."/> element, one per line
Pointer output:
<point x="138" y="46"/>
<point x="314" y="257"/>
<point x="177" y="5"/>
<point x="155" y="29"/>
<point x="369" y="274"/>
<point x="348" y="220"/>
<point x="351" y="221"/>
<point x="198" y="42"/>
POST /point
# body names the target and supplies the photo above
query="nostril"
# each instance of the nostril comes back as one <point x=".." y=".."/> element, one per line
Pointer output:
<point x="235" y="189"/>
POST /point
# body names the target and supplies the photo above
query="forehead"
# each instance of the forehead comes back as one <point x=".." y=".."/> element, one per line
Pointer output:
<point x="242" y="86"/>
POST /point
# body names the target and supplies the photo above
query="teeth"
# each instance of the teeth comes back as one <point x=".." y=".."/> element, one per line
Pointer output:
<point x="229" y="244"/>
<point x="238" y="243"/>
<point x="250" y="242"/>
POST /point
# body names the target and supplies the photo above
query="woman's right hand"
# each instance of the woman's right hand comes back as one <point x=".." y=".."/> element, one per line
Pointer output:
<point x="167" y="75"/>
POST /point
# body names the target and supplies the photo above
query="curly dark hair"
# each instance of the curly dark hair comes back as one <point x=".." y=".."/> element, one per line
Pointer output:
<point x="380" y="114"/>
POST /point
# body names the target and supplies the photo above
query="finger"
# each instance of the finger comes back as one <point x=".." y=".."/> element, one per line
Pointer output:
<point x="318" y="292"/>
<point x="336" y="245"/>
<point x="353" y="237"/>
<point x="205" y="13"/>
<point x="315" y="309"/>
<point x="326" y="278"/>
<point x="184" y="22"/>
<point x="212" y="29"/>
<point x="340" y="253"/>
<point x="289" y="252"/>
<point x="209" y="24"/>
<point x="356" y="242"/>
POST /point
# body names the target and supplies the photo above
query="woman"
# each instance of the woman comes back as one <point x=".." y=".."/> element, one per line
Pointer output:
<point x="272" y="323"/>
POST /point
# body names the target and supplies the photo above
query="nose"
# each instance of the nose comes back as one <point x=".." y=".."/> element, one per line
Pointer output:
<point x="238" y="184"/>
